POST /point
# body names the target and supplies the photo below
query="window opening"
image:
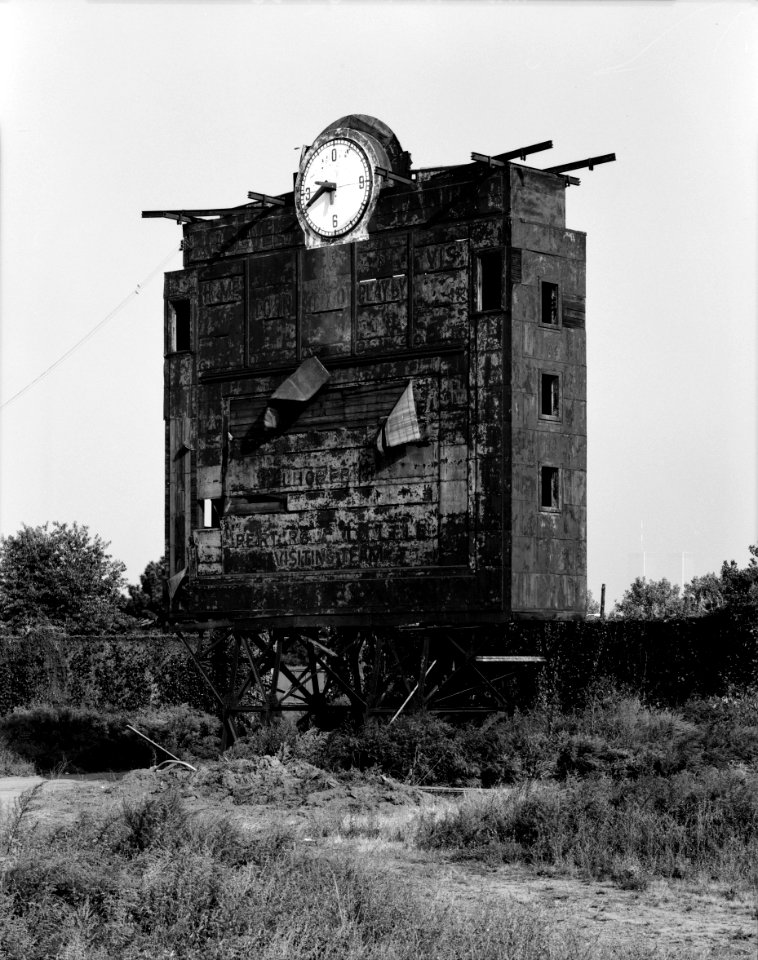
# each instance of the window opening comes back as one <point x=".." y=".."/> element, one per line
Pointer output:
<point x="550" y="303"/>
<point x="550" y="488"/>
<point x="181" y="325"/>
<point x="550" y="400"/>
<point x="489" y="285"/>
<point x="212" y="513"/>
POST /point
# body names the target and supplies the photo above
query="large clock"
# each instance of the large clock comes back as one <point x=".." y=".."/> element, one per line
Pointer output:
<point x="337" y="187"/>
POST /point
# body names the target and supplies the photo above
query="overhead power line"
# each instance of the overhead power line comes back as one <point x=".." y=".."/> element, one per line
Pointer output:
<point x="98" y="326"/>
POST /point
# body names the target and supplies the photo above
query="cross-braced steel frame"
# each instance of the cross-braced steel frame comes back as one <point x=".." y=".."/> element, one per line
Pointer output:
<point x="324" y="675"/>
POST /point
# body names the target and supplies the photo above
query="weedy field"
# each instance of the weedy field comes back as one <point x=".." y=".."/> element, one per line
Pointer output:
<point x="618" y="831"/>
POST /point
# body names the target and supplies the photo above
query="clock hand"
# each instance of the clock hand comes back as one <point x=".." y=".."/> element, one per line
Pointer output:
<point x="324" y="186"/>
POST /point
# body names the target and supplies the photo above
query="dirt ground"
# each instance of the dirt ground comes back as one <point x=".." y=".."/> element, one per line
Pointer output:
<point x="366" y="819"/>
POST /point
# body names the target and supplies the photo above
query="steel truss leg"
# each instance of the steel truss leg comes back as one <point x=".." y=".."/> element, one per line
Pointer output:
<point x="324" y="676"/>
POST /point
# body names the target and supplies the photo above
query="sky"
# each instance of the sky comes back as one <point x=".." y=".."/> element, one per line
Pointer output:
<point x="111" y="107"/>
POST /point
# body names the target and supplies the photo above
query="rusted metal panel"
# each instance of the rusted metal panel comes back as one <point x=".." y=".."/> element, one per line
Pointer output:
<point x="485" y="234"/>
<point x="209" y="482"/>
<point x="432" y="257"/>
<point x="440" y="306"/>
<point x="180" y="283"/>
<point x="537" y="196"/>
<point x="327" y="333"/>
<point x="180" y="482"/>
<point x="221" y="317"/>
<point x="382" y="257"/>
<point x="530" y="590"/>
<point x="377" y="536"/>
<point x="381" y="327"/>
<point x="272" y="292"/>
<point x="207" y="547"/>
<point x="221" y="343"/>
<point x="253" y="231"/>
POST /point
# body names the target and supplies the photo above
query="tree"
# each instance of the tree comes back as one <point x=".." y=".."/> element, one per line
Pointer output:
<point x="703" y="595"/>
<point x="146" y="598"/>
<point x="650" y="600"/>
<point x="739" y="586"/>
<point x="60" y="575"/>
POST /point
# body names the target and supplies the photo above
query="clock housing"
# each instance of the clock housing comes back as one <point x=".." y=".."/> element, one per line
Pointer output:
<point x="336" y="187"/>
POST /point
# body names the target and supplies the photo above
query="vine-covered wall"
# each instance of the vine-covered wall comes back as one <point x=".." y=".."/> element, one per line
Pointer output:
<point x="108" y="672"/>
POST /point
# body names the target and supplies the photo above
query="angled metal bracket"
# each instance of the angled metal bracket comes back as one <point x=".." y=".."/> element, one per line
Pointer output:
<point x="395" y="177"/>
<point x="266" y="198"/>
<point x="500" y="159"/>
<point x="590" y="162"/>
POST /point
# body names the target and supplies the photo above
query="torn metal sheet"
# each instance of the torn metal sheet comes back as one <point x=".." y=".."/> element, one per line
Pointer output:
<point x="304" y="383"/>
<point x="401" y="425"/>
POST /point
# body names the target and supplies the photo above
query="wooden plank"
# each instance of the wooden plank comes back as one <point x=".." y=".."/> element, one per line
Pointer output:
<point x="513" y="659"/>
<point x="573" y="312"/>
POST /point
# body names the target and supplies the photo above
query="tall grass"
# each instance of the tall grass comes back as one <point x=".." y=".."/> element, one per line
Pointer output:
<point x="154" y="882"/>
<point x="702" y="827"/>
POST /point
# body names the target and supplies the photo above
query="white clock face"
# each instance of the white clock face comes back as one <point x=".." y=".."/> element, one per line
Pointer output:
<point x="335" y="187"/>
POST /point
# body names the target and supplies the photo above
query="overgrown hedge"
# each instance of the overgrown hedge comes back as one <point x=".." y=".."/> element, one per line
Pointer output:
<point x="663" y="661"/>
<point x="667" y="661"/>
<point x="125" y="672"/>
<point x="81" y="739"/>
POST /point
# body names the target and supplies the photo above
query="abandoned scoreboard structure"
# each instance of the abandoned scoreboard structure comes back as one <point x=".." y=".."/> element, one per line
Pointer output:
<point x="375" y="406"/>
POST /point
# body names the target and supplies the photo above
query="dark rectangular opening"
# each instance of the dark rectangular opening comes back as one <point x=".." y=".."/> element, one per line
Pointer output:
<point x="550" y="396"/>
<point x="182" y="325"/>
<point x="259" y="503"/>
<point x="550" y="307"/>
<point x="489" y="284"/>
<point x="550" y="487"/>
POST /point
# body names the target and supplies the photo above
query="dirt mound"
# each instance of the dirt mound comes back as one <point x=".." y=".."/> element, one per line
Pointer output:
<point x="262" y="780"/>
<point x="290" y="782"/>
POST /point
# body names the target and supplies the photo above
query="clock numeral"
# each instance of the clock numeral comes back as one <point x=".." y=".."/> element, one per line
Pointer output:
<point x="334" y="154"/>
<point x="334" y="220"/>
<point x="361" y="182"/>
<point x="307" y="193"/>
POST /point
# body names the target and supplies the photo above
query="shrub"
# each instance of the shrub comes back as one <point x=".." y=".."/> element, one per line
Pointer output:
<point x="185" y="731"/>
<point x="267" y="740"/>
<point x="419" y="748"/>
<point x="12" y="765"/>
<point x="82" y="739"/>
